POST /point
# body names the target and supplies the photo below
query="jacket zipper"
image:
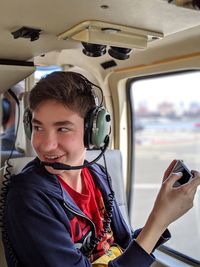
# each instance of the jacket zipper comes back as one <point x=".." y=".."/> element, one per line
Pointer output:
<point x="81" y="215"/>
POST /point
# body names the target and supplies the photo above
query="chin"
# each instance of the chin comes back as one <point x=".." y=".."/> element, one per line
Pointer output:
<point x="53" y="171"/>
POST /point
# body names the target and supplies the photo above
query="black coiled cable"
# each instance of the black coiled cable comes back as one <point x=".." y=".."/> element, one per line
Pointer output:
<point x="88" y="249"/>
<point x="4" y="193"/>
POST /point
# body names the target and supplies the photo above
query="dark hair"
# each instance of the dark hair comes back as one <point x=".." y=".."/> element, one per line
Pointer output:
<point x="69" y="88"/>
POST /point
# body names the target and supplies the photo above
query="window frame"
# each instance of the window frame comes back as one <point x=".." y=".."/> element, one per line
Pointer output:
<point x="131" y="179"/>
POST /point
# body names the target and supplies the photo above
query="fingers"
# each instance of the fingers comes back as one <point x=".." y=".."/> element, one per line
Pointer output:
<point x="172" y="178"/>
<point x="192" y="183"/>
<point x="195" y="181"/>
<point x="169" y="169"/>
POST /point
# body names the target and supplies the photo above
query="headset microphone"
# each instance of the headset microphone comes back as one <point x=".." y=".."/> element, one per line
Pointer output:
<point x="61" y="166"/>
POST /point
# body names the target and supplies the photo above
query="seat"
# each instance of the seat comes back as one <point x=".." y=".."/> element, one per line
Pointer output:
<point x="6" y="154"/>
<point x="114" y="167"/>
<point x="115" y="170"/>
<point x="2" y="256"/>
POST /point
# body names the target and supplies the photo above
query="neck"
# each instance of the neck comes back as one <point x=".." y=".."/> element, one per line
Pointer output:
<point x="74" y="180"/>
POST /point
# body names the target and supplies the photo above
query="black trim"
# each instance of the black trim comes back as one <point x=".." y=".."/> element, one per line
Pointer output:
<point x="180" y="256"/>
<point x="12" y="62"/>
<point x="130" y="180"/>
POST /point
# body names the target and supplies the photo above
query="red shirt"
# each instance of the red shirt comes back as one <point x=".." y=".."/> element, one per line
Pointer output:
<point x="92" y="205"/>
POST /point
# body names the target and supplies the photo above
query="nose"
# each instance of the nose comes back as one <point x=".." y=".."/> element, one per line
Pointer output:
<point x="49" y="142"/>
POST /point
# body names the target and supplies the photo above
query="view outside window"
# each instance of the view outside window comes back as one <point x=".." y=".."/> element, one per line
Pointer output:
<point x="167" y="127"/>
<point x="44" y="70"/>
<point x="9" y="119"/>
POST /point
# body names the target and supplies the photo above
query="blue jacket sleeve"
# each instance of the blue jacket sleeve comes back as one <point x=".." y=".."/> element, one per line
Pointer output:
<point x="133" y="256"/>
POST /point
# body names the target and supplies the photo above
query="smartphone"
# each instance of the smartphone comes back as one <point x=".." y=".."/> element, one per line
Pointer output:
<point x="181" y="167"/>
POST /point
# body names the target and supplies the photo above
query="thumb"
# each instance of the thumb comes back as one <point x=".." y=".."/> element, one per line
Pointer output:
<point x="173" y="177"/>
<point x="169" y="169"/>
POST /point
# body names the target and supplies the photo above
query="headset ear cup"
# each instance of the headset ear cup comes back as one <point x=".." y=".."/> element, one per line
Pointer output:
<point x="98" y="127"/>
<point x="101" y="128"/>
<point x="27" y="123"/>
<point x="88" y="128"/>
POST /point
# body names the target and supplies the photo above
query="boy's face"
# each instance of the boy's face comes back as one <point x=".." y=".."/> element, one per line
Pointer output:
<point x="57" y="135"/>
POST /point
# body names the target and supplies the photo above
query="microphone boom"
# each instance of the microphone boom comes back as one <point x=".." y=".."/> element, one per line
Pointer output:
<point x="62" y="166"/>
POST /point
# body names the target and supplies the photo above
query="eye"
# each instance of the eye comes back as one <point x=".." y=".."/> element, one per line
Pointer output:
<point x="37" y="128"/>
<point x="63" y="129"/>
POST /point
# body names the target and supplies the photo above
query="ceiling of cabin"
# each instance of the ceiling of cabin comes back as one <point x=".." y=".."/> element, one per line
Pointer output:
<point x="54" y="17"/>
<point x="177" y="24"/>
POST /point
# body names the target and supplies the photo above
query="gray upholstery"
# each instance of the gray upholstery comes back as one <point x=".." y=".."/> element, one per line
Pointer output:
<point x="6" y="154"/>
<point x="115" y="170"/>
<point x="114" y="166"/>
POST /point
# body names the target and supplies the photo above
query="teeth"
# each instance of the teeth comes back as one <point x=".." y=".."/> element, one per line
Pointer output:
<point x="52" y="157"/>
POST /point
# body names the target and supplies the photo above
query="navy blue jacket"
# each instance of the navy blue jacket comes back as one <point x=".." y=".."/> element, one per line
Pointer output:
<point x="37" y="219"/>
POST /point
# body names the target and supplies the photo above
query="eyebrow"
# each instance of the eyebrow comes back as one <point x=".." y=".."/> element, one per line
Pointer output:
<point x="57" y="123"/>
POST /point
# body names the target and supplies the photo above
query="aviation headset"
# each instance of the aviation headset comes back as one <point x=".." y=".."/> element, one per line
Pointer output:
<point x="97" y="122"/>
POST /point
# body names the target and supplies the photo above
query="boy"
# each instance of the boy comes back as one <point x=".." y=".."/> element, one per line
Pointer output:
<point x="60" y="217"/>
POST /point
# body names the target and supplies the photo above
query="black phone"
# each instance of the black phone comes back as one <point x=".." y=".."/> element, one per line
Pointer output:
<point x="181" y="167"/>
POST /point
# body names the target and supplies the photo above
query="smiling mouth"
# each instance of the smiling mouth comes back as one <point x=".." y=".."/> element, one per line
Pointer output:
<point x="52" y="158"/>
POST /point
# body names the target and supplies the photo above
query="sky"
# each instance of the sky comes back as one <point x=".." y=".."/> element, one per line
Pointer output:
<point x="42" y="71"/>
<point x="177" y="89"/>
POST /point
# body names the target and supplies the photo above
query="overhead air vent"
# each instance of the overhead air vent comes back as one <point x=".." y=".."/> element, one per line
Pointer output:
<point x="26" y="32"/>
<point x="108" y="64"/>
<point x="103" y="33"/>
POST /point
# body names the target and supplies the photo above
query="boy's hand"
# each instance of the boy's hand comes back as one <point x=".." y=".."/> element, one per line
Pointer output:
<point x="171" y="203"/>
